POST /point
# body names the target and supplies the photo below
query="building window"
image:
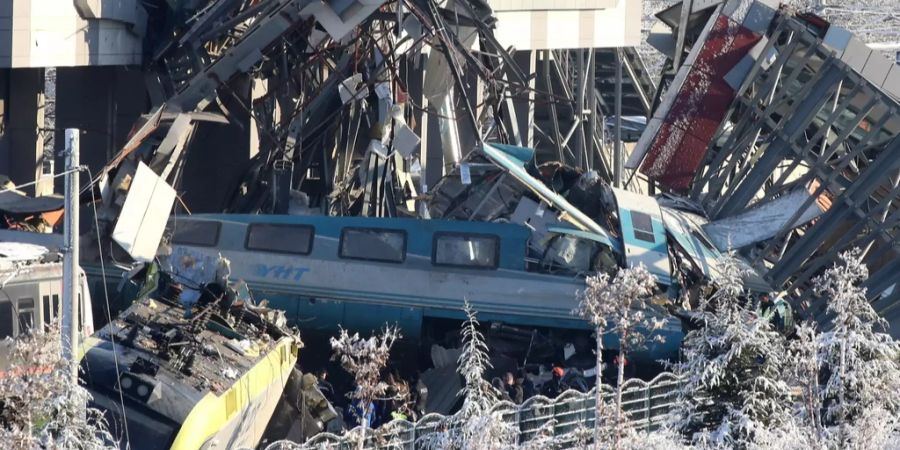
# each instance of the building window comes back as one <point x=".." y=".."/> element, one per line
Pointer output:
<point x="280" y="238"/>
<point x="373" y="244"/>
<point x="466" y="250"/>
<point x="47" y="311"/>
<point x="6" y="319"/>
<point x="25" y="313"/>
<point x="643" y="226"/>
<point x="195" y="232"/>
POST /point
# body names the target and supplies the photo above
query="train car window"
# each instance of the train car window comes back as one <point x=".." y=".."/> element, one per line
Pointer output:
<point x="643" y="226"/>
<point x="465" y="250"/>
<point x="25" y="307"/>
<point x="373" y="244"/>
<point x="6" y="319"/>
<point x="280" y="238"/>
<point x="198" y="233"/>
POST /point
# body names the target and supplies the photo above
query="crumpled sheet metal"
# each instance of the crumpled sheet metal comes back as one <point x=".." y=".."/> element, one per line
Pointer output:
<point x="675" y="142"/>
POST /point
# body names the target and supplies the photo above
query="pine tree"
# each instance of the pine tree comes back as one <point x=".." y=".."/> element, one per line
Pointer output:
<point x="861" y="364"/>
<point x="733" y="370"/>
<point x="479" y="425"/>
<point x="619" y="306"/>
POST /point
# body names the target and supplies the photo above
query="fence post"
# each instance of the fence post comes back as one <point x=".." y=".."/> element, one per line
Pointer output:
<point x="647" y="403"/>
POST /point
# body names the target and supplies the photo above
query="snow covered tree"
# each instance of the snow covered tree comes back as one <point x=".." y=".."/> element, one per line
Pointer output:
<point x="733" y="369"/>
<point x="619" y="306"/>
<point x="861" y="365"/>
<point x="39" y="406"/>
<point x="478" y="425"/>
<point x="364" y="359"/>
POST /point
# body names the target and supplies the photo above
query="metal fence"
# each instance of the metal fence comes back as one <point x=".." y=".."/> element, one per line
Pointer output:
<point x="644" y="403"/>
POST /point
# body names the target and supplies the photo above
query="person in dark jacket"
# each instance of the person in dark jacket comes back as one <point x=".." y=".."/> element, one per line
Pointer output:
<point x="324" y="385"/>
<point x="500" y="388"/>
<point x="513" y="389"/>
<point x="420" y="397"/>
<point x="528" y="389"/>
<point x="556" y="385"/>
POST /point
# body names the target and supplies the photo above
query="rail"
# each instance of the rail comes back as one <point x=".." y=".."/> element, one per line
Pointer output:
<point x="645" y="403"/>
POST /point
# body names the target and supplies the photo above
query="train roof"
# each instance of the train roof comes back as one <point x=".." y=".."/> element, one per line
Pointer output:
<point x="14" y="255"/>
<point x="178" y="359"/>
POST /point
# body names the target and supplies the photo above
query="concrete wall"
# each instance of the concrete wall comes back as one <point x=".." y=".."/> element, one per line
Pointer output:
<point x="56" y="33"/>
<point x="560" y="24"/>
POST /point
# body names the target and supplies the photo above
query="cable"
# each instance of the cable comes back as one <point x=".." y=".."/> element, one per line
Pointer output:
<point x="31" y="183"/>
<point x="112" y="336"/>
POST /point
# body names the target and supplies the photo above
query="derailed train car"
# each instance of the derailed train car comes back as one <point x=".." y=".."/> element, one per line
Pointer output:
<point x="202" y="376"/>
<point x="507" y="237"/>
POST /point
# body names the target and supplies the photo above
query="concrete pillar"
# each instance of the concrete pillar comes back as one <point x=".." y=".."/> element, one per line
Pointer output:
<point x="218" y="154"/>
<point x="103" y="102"/>
<point x="24" y="127"/>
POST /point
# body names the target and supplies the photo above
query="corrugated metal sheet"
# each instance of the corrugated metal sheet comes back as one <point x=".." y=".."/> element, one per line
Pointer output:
<point x="699" y="106"/>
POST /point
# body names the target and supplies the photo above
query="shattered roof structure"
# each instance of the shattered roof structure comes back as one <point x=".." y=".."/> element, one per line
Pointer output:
<point x="798" y="113"/>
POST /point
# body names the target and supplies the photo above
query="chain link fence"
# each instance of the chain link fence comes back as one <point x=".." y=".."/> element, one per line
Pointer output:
<point x="645" y="403"/>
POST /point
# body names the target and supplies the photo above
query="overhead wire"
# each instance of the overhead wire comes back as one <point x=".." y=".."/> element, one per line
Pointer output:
<point x="112" y="336"/>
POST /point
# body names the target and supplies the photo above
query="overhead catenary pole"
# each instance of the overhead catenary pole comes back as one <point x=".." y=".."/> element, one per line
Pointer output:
<point x="71" y="291"/>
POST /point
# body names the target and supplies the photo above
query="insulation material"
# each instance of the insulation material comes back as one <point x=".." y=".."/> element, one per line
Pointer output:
<point x="143" y="218"/>
<point x="700" y="98"/>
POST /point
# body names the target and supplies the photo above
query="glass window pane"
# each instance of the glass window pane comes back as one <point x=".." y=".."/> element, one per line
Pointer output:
<point x="47" y="310"/>
<point x="466" y="250"/>
<point x="25" y="308"/>
<point x="6" y="319"/>
<point x="643" y="226"/>
<point x="195" y="232"/>
<point x="373" y="244"/>
<point x="280" y="238"/>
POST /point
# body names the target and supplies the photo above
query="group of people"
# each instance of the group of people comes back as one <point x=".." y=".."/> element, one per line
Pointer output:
<point x="407" y="399"/>
<point x="512" y="388"/>
<point x="402" y="399"/>
<point x="521" y="387"/>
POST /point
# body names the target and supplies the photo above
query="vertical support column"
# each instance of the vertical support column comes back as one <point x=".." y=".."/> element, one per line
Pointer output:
<point x="449" y="130"/>
<point x="25" y="125"/>
<point x="532" y="82"/>
<point x="591" y="106"/>
<point x="5" y="150"/>
<point x="71" y="291"/>
<point x="618" y="157"/>
<point x="579" y="108"/>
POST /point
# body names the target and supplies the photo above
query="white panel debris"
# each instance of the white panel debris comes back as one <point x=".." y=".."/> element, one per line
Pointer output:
<point x="405" y="140"/>
<point x="353" y="89"/>
<point x="144" y="214"/>
<point x="762" y="222"/>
